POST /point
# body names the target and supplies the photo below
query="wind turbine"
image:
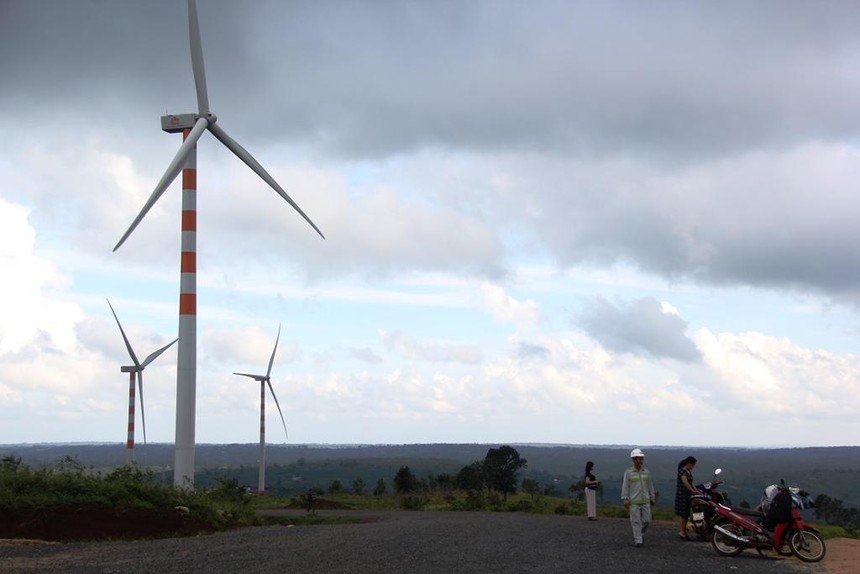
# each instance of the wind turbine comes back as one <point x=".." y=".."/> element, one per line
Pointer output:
<point x="192" y="127"/>
<point x="266" y="380"/>
<point x="132" y="370"/>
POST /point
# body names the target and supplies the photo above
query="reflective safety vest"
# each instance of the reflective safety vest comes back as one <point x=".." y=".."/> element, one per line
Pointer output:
<point x="637" y="488"/>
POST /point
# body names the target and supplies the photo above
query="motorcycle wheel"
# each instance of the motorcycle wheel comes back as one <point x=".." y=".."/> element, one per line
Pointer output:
<point x="807" y="545"/>
<point x="724" y="545"/>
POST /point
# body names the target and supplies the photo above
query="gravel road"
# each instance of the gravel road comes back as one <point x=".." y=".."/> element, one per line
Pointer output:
<point x="403" y="541"/>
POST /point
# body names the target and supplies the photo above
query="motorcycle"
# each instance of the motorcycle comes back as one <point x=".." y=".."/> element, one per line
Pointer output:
<point x="702" y="514"/>
<point x="779" y="526"/>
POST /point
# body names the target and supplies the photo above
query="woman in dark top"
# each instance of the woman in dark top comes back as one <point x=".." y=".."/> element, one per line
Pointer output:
<point x="684" y="489"/>
<point x="591" y="484"/>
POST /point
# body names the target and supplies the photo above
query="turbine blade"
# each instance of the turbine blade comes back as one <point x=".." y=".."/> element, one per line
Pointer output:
<point x="249" y="160"/>
<point x="124" y="338"/>
<point x="172" y="171"/>
<point x="197" y="59"/>
<point x="155" y="354"/>
<point x="142" y="412"/>
<point x="283" y="422"/>
<point x="255" y="377"/>
<point x="272" y="358"/>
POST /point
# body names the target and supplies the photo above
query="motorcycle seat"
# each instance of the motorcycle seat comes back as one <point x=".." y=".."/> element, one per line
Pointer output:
<point x="748" y="512"/>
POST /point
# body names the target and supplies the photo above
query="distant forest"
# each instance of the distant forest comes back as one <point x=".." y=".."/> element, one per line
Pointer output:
<point x="293" y="469"/>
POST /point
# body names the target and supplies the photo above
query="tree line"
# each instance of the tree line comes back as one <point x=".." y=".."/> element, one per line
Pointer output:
<point x="497" y="471"/>
<point x="833" y="511"/>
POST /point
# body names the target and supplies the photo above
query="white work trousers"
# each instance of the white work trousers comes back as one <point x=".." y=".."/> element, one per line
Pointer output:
<point x="640" y="518"/>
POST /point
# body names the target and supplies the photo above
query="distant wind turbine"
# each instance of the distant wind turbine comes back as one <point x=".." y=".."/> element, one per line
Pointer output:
<point x="266" y="380"/>
<point x="192" y="127"/>
<point x="135" y="369"/>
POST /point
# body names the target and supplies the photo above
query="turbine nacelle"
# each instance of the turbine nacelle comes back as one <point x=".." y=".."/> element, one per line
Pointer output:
<point x="177" y="123"/>
<point x="258" y="378"/>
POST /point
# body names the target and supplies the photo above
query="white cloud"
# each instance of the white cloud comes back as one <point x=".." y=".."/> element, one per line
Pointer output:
<point x="404" y="345"/>
<point x="507" y="309"/>
<point x="773" y="376"/>
<point x="248" y="346"/>
<point x="30" y="308"/>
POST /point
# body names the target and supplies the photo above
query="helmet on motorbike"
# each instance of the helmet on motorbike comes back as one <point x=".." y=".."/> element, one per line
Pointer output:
<point x="636" y="453"/>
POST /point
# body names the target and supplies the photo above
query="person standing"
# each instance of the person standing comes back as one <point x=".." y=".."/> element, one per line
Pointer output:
<point x="637" y="492"/>
<point x="684" y="489"/>
<point x="591" y="484"/>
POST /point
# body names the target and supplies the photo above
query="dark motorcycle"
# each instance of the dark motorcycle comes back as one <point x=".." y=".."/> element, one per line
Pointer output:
<point x="703" y="515"/>
<point x="778" y="526"/>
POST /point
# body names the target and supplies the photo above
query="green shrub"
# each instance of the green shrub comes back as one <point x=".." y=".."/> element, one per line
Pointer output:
<point x="413" y="502"/>
<point x="229" y="490"/>
<point x="834" y="531"/>
<point x="25" y="490"/>
<point x="522" y="505"/>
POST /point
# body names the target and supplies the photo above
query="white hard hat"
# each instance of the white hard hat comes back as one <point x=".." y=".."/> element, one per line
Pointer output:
<point x="636" y="452"/>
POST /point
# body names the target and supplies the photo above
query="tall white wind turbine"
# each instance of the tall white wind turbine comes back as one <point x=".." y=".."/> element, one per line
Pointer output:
<point x="266" y="380"/>
<point x="192" y="127"/>
<point x="135" y="369"/>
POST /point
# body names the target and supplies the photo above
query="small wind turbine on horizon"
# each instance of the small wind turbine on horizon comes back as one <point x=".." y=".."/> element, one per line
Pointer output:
<point x="192" y="127"/>
<point x="135" y="371"/>
<point x="266" y="380"/>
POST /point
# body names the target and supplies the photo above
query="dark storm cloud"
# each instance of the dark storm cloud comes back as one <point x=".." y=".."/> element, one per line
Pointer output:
<point x="642" y="326"/>
<point x="663" y="135"/>
<point x="361" y="79"/>
<point x="662" y="78"/>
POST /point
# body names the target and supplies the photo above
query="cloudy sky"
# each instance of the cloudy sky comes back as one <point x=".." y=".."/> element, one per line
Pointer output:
<point x="550" y="221"/>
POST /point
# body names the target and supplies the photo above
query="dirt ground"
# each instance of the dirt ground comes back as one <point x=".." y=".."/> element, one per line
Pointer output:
<point x="843" y="556"/>
<point x="70" y="523"/>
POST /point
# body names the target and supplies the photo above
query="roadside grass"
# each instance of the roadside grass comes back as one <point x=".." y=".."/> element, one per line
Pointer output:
<point x="454" y="500"/>
<point x="26" y="490"/>
<point x="833" y="531"/>
<point x="458" y="500"/>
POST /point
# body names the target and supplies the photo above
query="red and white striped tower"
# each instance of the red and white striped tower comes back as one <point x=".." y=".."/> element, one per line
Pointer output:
<point x="129" y="443"/>
<point x="135" y="371"/>
<point x="261" y="483"/>
<point x="192" y="126"/>
<point x="186" y="365"/>
<point x="266" y="380"/>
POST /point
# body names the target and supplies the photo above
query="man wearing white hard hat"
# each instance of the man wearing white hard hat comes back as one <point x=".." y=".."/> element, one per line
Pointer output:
<point x="637" y="492"/>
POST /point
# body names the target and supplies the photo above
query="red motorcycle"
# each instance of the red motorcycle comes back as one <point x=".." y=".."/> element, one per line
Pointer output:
<point x="702" y="514"/>
<point x="778" y="526"/>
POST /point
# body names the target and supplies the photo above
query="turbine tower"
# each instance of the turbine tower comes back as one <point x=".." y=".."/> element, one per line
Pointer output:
<point x="266" y="380"/>
<point x="132" y="370"/>
<point x="192" y="127"/>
